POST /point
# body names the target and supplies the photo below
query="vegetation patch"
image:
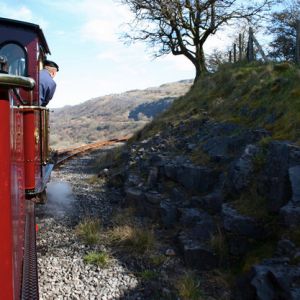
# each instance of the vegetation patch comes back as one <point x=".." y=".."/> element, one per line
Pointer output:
<point x="148" y="275"/>
<point x="250" y="203"/>
<point x="109" y="158"/>
<point x="188" y="286"/>
<point x="270" y="94"/>
<point x="262" y="250"/>
<point x="157" y="260"/>
<point x="123" y="217"/>
<point x="101" y="259"/>
<point x="88" y="230"/>
<point x="134" y="239"/>
<point x="218" y="244"/>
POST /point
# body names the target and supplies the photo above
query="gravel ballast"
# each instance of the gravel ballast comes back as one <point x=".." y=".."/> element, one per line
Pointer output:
<point x="63" y="274"/>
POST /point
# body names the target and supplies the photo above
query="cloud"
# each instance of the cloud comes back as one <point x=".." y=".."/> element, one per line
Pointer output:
<point x="22" y="13"/>
<point x="101" y="20"/>
<point x="99" y="30"/>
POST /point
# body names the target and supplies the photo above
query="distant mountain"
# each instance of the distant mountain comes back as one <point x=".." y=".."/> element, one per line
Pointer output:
<point x="113" y="115"/>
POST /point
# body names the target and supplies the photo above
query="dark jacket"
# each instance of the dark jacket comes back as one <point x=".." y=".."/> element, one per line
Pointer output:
<point x="47" y="87"/>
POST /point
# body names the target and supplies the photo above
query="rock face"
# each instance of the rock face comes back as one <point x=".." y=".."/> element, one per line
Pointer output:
<point x="194" y="240"/>
<point x="242" y="169"/>
<point x="291" y="211"/>
<point x="273" y="279"/>
<point x="241" y="230"/>
<point x="200" y="199"/>
<point x="193" y="178"/>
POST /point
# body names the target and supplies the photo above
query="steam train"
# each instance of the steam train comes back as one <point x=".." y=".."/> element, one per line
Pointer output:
<point x="24" y="156"/>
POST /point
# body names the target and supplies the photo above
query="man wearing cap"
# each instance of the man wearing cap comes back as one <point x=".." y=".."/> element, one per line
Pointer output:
<point x="47" y="84"/>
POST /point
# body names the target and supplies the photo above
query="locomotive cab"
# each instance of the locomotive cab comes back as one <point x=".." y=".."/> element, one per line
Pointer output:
<point x="24" y="155"/>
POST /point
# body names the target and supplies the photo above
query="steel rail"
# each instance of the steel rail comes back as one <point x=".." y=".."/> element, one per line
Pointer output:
<point x="65" y="154"/>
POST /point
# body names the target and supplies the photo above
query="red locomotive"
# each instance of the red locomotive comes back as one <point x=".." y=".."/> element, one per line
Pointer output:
<point x="24" y="167"/>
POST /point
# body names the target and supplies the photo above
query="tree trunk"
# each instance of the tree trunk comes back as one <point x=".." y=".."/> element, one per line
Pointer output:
<point x="199" y="64"/>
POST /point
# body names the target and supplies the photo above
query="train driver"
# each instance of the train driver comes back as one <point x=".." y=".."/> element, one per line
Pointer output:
<point x="47" y="84"/>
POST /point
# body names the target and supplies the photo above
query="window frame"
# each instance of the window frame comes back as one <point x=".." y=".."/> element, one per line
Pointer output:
<point x="24" y="50"/>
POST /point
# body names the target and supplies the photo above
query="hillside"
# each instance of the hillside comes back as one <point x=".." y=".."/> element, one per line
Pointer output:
<point x="256" y="96"/>
<point x="111" y="116"/>
<point x="219" y="171"/>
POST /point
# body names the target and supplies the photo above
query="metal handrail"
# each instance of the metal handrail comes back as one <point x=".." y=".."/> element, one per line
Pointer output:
<point x="13" y="81"/>
<point x="31" y="107"/>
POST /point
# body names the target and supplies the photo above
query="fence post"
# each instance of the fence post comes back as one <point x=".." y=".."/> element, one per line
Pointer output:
<point x="240" y="48"/>
<point x="234" y="53"/>
<point x="298" y="42"/>
<point x="230" y="56"/>
<point x="250" y="54"/>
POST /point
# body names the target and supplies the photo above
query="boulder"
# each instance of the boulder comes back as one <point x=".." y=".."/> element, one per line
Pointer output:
<point x="152" y="177"/>
<point x="294" y="176"/>
<point x="197" y="255"/>
<point x="212" y="203"/>
<point x="270" y="280"/>
<point x="290" y="214"/>
<point x="178" y="195"/>
<point x="192" y="216"/>
<point x="168" y="213"/>
<point x="222" y="148"/>
<point x="286" y="248"/>
<point x="240" y="225"/>
<point x="135" y="197"/>
<point x="241" y="173"/>
<point x="240" y="230"/>
<point x="193" y="178"/>
<point x="275" y="185"/>
<point x="152" y="204"/>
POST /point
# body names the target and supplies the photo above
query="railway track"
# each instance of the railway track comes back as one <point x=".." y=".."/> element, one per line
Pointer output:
<point x="67" y="153"/>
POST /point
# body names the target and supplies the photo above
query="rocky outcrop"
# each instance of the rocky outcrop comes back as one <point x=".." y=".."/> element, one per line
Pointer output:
<point x="194" y="239"/>
<point x="240" y="231"/>
<point x="274" y="278"/>
<point x="291" y="211"/>
<point x="193" y="178"/>
<point x="199" y="199"/>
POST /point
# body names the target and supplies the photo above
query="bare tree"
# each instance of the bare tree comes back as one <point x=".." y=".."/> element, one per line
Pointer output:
<point x="283" y="29"/>
<point x="182" y="27"/>
<point x="216" y="59"/>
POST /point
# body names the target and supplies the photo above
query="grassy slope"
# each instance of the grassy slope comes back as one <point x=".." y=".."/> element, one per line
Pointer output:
<point x="254" y="95"/>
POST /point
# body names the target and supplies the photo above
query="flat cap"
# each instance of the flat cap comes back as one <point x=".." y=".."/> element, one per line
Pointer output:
<point x="52" y="64"/>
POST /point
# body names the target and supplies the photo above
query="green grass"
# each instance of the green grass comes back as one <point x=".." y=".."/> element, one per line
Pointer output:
<point x="188" y="286"/>
<point x="88" y="230"/>
<point x="157" y="259"/>
<point x="148" y="275"/>
<point x="218" y="244"/>
<point x="101" y="259"/>
<point x="250" y="203"/>
<point x="134" y="239"/>
<point x="260" y="251"/>
<point x="253" y="95"/>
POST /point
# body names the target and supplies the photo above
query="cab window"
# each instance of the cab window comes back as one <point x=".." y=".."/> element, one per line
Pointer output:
<point x="16" y="58"/>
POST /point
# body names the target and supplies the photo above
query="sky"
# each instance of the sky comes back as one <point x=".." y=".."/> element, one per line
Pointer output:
<point x="84" y="40"/>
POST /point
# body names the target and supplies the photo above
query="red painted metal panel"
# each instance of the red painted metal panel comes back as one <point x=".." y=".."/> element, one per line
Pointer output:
<point x="6" y="261"/>
<point x="33" y="69"/>
<point x="17" y="196"/>
<point x="38" y="149"/>
<point x="29" y="149"/>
